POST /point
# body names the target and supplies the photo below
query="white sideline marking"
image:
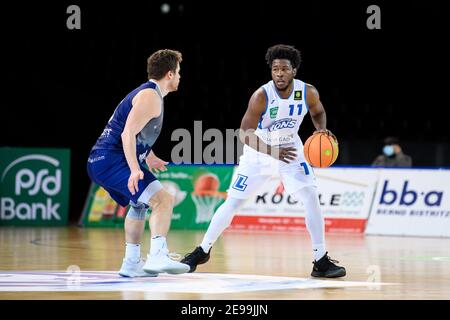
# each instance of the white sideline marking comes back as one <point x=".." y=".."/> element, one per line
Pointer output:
<point x="58" y="281"/>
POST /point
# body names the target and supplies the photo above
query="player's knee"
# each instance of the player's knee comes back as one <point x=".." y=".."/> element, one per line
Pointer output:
<point x="162" y="199"/>
<point x="167" y="198"/>
<point x="234" y="203"/>
<point x="137" y="212"/>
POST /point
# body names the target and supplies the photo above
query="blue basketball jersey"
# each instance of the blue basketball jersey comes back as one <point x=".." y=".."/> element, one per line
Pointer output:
<point x="111" y="138"/>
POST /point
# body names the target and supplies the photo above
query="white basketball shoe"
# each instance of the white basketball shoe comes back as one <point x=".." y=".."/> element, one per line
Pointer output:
<point x="161" y="263"/>
<point x="132" y="269"/>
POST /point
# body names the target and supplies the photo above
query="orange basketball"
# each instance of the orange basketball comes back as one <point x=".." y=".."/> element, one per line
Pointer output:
<point x="206" y="182"/>
<point x="321" y="150"/>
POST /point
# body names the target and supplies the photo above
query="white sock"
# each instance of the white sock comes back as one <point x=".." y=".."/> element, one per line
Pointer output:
<point x="314" y="219"/>
<point x="132" y="251"/>
<point x="318" y="251"/>
<point x="158" y="245"/>
<point x="221" y="220"/>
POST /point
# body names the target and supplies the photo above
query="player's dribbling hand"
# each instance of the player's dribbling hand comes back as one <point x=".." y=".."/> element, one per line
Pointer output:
<point x="284" y="154"/>
<point x="327" y="132"/>
<point x="133" y="180"/>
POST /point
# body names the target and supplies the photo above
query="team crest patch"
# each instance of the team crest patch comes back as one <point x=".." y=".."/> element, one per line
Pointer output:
<point x="298" y="95"/>
<point x="273" y="112"/>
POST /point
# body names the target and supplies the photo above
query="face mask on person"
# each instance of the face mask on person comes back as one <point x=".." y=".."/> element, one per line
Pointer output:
<point x="388" y="151"/>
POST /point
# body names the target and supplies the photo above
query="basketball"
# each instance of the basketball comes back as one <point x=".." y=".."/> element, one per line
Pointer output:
<point x="321" y="150"/>
<point x="206" y="182"/>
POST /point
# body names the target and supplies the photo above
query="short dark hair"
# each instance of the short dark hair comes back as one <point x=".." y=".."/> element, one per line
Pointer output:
<point x="391" y="140"/>
<point x="282" y="51"/>
<point x="161" y="62"/>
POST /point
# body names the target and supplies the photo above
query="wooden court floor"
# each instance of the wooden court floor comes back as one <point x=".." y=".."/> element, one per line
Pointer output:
<point x="402" y="267"/>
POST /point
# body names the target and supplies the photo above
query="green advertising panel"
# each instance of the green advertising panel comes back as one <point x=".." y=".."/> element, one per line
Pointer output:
<point x="34" y="186"/>
<point x="198" y="191"/>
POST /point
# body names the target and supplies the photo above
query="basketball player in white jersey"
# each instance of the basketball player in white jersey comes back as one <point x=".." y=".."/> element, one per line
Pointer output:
<point x="269" y="130"/>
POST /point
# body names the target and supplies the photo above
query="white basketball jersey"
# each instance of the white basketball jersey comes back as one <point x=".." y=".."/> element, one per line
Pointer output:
<point x="280" y="123"/>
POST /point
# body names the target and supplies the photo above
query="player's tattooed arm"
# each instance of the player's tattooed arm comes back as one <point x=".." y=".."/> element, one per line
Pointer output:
<point x="256" y="107"/>
<point x="316" y="109"/>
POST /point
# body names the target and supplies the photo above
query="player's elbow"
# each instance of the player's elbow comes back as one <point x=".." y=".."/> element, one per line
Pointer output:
<point x="316" y="112"/>
<point x="318" y="115"/>
<point x="126" y="135"/>
<point x="242" y="135"/>
<point x="245" y="134"/>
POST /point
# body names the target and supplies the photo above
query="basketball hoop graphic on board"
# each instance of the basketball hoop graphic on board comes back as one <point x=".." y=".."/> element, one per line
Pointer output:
<point x="206" y="197"/>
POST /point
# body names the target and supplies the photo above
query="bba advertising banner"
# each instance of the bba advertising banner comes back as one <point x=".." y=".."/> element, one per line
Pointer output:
<point x="345" y="196"/>
<point x="411" y="202"/>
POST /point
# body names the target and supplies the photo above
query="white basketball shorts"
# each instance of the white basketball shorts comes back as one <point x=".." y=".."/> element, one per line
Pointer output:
<point x="256" y="168"/>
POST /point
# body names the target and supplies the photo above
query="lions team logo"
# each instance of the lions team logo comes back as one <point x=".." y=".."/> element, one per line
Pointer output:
<point x="273" y="112"/>
<point x="298" y="95"/>
<point x="282" y="124"/>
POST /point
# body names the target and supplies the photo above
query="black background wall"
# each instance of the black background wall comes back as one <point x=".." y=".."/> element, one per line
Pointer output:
<point x="61" y="86"/>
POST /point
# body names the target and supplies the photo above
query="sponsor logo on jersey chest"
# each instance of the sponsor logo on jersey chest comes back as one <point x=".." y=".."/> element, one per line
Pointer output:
<point x="273" y="112"/>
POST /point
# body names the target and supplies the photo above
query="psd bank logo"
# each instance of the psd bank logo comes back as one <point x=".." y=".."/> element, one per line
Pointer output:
<point x="407" y="196"/>
<point x="34" y="188"/>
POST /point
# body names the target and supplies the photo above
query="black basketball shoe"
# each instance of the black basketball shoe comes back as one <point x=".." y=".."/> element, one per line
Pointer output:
<point x="325" y="268"/>
<point x="196" y="257"/>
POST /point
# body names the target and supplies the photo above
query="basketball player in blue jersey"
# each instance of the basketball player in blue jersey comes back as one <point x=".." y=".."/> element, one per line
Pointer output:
<point x="269" y="130"/>
<point x="116" y="163"/>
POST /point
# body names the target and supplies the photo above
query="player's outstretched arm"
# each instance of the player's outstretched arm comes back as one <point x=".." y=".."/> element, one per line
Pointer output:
<point x="256" y="107"/>
<point x="146" y="105"/>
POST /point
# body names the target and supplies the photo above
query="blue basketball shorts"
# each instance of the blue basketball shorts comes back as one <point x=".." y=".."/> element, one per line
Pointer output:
<point x="110" y="170"/>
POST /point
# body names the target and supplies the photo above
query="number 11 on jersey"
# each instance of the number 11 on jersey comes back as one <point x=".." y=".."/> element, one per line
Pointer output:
<point x="292" y="107"/>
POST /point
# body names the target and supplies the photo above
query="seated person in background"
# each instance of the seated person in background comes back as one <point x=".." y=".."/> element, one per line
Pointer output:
<point x="393" y="155"/>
